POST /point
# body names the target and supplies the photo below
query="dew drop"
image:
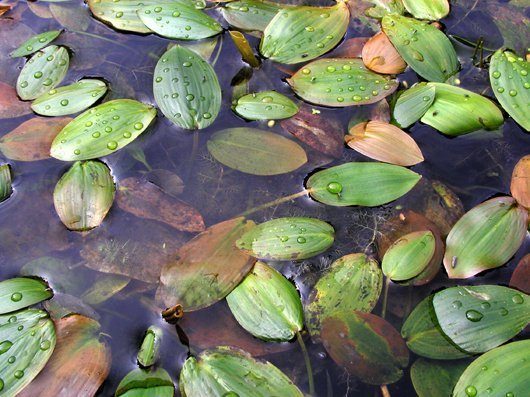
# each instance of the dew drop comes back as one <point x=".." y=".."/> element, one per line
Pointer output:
<point x="45" y="345"/>
<point x="496" y="74"/>
<point x="138" y="126"/>
<point x="11" y="359"/>
<point x="513" y="93"/>
<point x="471" y="391"/>
<point x="158" y="79"/>
<point x="186" y="64"/>
<point x="19" y="374"/>
<point x="64" y="102"/>
<point x="517" y="299"/>
<point x="112" y="145"/>
<point x="96" y="134"/>
<point x="284" y="239"/>
<point x="37" y="75"/>
<point x="24" y="84"/>
<point x="47" y="82"/>
<point x="485" y="305"/>
<point x="77" y="152"/>
<point x="127" y="134"/>
<point x="457" y="304"/>
<point x="16" y="297"/>
<point x="206" y="116"/>
<point x="5" y="346"/>
<point x="331" y="69"/>
<point x="301" y="240"/>
<point x="334" y="187"/>
<point x="267" y="99"/>
<point x="474" y="315"/>
<point x="176" y="14"/>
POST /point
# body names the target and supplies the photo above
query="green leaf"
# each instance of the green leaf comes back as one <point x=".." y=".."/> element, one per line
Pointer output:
<point x="28" y="340"/>
<point x="265" y="105"/>
<point x="146" y="383"/>
<point x="367" y="346"/>
<point x="383" y="7"/>
<point x="426" y="49"/>
<point x="104" y="287"/>
<point x="176" y="21"/>
<point x="35" y="43"/>
<point x="431" y="10"/>
<point x="286" y="239"/>
<point x="267" y="305"/>
<point x="511" y="85"/>
<point x="434" y="378"/>
<point x="256" y="152"/>
<point x="150" y="349"/>
<point x="424" y="336"/>
<point x="340" y="82"/>
<point x="300" y="34"/>
<point x="19" y="293"/>
<point x="456" y="111"/>
<point x="84" y="195"/>
<point x="409" y="256"/>
<point x="353" y="282"/>
<point x="485" y="237"/>
<point x="227" y="371"/>
<point x="6" y="188"/>
<point x="366" y="184"/>
<point x="69" y="99"/>
<point x="502" y="371"/>
<point x="413" y="103"/>
<point x="479" y="318"/>
<point x="195" y="102"/>
<point x="102" y="130"/>
<point x="251" y="14"/>
<point x="42" y="72"/>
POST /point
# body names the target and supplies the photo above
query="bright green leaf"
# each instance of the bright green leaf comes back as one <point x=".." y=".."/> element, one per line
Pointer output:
<point x="413" y="103"/>
<point x="431" y="10"/>
<point x="35" y="43"/>
<point x="150" y="348"/>
<point x="19" y="293"/>
<point x="146" y="383"/>
<point x="6" y="188"/>
<point x="251" y="14"/>
<point x="436" y="378"/>
<point x="265" y="105"/>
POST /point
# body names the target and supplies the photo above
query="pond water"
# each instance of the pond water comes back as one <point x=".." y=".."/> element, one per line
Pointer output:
<point x="475" y="167"/>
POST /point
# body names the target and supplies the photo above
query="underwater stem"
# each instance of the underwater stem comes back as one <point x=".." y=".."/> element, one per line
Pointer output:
<point x="385" y="297"/>
<point x="307" y="363"/>
<point x="275" y="202"/>
<point x="384" y="391"/>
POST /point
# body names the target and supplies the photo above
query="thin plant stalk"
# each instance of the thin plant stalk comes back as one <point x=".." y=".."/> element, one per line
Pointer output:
<point x="385" y="297"/>
<point x="307" y="363"/>
<point x="281" y="200"/>
<point x="384" y="391"/>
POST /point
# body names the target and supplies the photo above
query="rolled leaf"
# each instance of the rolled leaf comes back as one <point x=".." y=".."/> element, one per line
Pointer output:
<point x="150" y="348"/>
<point x="6" y="188"/>
<point x="102" y="130"/>
<point x="384" y="142"/>
<point x="380" y="55"/>
<point x="256" y="152"/>
<point x="35" y="43"/>
<point x="426" y="49"/>
<point x="70" y="99"/>
<point x="146" y="383"/>
<point x="353" y="282"/>
<point x="303" y="33"/>
<point x="503" y="371"/>
<point x="251" y="14"/>
<point x="434" y="378"/>
<point x="19" y="293"/>
<point x="511" y="85"/>
<point x="365" y="184"/>
<point x="265" y="105"/>
<point x="520" y="183"/>
<point x="413" y="103"/>
<point x="479" y="318"/>
<point x="284" y="239"/>
<point x="194" y="103"/>
<point x="226" y="370"/>
<point x="431" y="10"/>
<point x="267" y="305"/>
<point x="340" y="82"/>
<point x="42" y="72"/>
<point x="84" y="195"/>
<point x="485" y="237"/>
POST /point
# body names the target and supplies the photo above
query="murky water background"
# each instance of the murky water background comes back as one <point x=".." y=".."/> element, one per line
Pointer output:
<point x="475" y="167"/>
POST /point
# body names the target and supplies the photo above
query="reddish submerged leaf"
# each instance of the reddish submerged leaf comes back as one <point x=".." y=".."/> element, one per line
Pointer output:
<point x="10" y="105"/>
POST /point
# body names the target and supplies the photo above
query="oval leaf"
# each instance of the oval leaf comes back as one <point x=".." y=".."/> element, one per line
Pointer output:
<point x="195" y="102"/>
<point x="256" y="152"/>
<point x="380" y="55"/>
<point x="520" y="183"/>
<point x="19" y="293"/>
<point x="6" y="188"/>
<point x="251" y="14"/>
<point x="265" y="105"/>
<point x="434" y="378"/>
<point x="413" y="103"/>
<point x="432" y="10"/>
<point x="146" y="383"/>
<point x="485" y="237"/>
<point x="35" y="43"/>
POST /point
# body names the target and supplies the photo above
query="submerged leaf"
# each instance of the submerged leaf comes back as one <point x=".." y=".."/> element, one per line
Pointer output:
<point x="434" y="378"/>
<point x="427" y="9"/>
<point x="251" y="14"/>
<point x="413" y="103"/>
<point x="256" y="152"/>
<point x="265" y="105"/>
<point x="102" y="130"/>
<point x="35" y="43"/>
<point x="380" y="55"/>
<point x="6" y="188"/>
<point x="520" y="183"/>
<point x="10" y="105"/>
<point x="150" y="349"/>
<point x="340" y="82"/>
<point x="146" y="383"/>
<point x="186" y="89"/>
<point x="486" y="237"/>
<point x="21" y="292"/>
<point x="365" y="184"/>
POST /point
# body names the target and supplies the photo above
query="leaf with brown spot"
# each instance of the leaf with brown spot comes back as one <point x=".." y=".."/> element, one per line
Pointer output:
<point x="146" y="200"/>
<point x="10" y="105"/>
<point x="520" y="186"/>
<point x="380" y="55"/>
<point x="521" y="275"/>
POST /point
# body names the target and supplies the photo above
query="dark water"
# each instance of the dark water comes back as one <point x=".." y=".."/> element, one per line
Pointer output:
<point x="475" y="167"/>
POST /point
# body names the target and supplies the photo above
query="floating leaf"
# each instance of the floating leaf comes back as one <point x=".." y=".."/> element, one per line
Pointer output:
<point x="353" y="282"/>
<point x="434" y="378"/>
<point x="383" y="7"/>
<point x="521" y="275"/>
<point x="265" y="105"/>
<point x="79" y="364"/>
<point x="366" y="184"/>
<point x="10" y="105"/>
<point x="340" y="82"/>
<point x="251" y="14"/>
<point x="150" y="349"/>
<point x="384" y="142"/>
<point x="69" y="99"/>
<point x="479" y="318"/>
<point x="102" y="130"/>
<point x="485" y="237"/>
<point x="510" y="83"/>
<point x="503" y="371"/>
<point x="520" y="183"/>
<point x="366" y="345"/>
<point x="424" y="336"/>
<point x="35" y="43"/>
<point x="286" y="239"/>
<point x="380" y="55"/>
<point x="21" y="292"/>
<point x="195" y="102"/>
<point x="207" y="268"/>
<point x="146" y="383"/>
<point x="425" y="48"/>
<point x="6" y="188"/>
<point x="177" y="21"/>
<point x="256" y="152"/>
<point x="42" y="72"/>
<point x="31" y="140"/>
<point x="413" y="103"/>
<point x="431" y="10"/>
<point x="456" y="111"/>
<point x="28" y="340"/>
<point x="84" y="195"/>
<point x="226" y="370"/>
<point x="303" y="33"/>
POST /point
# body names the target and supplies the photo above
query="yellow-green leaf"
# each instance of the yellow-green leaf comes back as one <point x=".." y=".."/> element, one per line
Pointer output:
<point x="431" y="10"/>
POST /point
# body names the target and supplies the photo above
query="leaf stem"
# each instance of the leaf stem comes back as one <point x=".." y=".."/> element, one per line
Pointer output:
<point x="385" y="297"/>
<point x="275" y="202"/>
<point x="307" y="363"/>
<point x="384" y="391"/>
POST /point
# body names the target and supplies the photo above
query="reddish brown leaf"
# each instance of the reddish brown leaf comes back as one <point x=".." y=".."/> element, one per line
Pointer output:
<point x="380" y="55"/>
<point x="10" y="105"/>
<point x="521" y="275"/>
<point x="4" y="9"/>
<point x="520" y="186"/>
